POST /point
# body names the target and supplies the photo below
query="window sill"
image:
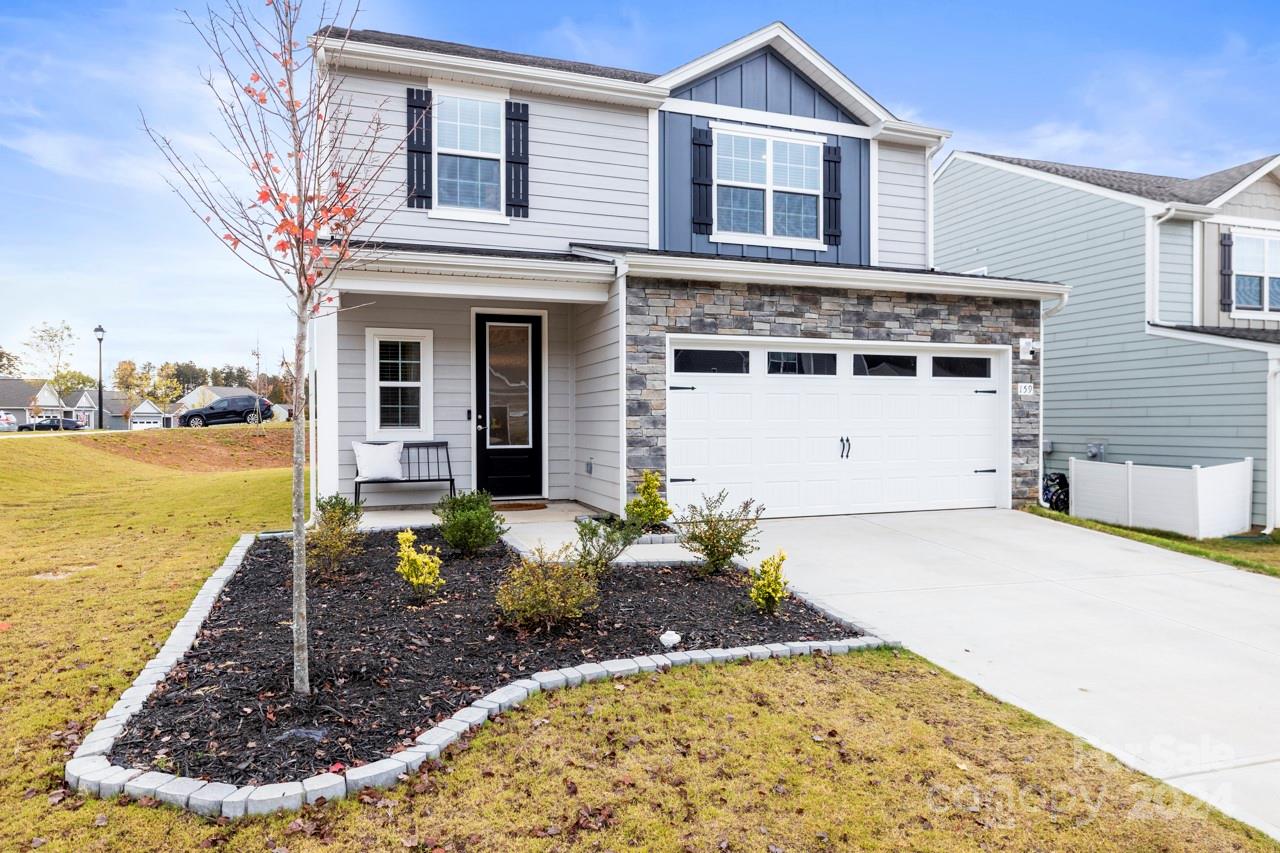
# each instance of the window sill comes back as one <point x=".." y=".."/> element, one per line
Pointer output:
<point x="768" y="242"/>
<point x="462" y="214"/>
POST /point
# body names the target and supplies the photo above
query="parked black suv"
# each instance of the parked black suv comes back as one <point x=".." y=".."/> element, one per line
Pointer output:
<point x="228" y="410"/>
<point x="50" y="424"/>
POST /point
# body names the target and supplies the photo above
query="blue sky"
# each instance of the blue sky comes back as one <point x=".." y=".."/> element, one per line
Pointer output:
<point x="92" y="235"/>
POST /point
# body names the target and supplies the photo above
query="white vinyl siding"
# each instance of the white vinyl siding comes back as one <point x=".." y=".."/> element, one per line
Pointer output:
<point x="1261" y="200"/>
<point x="588" y="175"/>
<point x="598" y="403"/>
<point x="1152" y="400"/>
<point x="1176" y="280"/>
<point x="902" y="193"/>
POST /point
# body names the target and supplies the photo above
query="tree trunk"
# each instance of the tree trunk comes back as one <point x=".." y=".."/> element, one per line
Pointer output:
<point x="301" y="643"/>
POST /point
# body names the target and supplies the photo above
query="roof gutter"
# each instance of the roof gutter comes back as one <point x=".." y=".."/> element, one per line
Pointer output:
<point x="728" y="270"/>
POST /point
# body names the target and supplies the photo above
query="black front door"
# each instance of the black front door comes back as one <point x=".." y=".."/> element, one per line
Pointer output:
<point x="509" y="404"/>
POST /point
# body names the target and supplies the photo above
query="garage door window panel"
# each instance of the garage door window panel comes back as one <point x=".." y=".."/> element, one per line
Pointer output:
<point x="802" y="363"/>
<point x="874" y="364"/>
<point x="711" y="361"/>
<point x="961" y="367"/>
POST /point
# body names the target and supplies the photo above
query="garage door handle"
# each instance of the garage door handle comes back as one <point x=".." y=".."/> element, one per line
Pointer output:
<point x="681" y="388"/>
<point x="684" y="479"/>
<point x="986" y="391"/>
<point x="984" y="470"/>
<point x="845" y="446"/>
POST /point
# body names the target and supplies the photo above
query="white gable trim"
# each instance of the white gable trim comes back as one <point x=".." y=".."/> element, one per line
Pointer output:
<point x="1151" y="207"/>
<point x="1268" y="167"/>
<point x="794" y="49"/>
<point x="146" y="407"/>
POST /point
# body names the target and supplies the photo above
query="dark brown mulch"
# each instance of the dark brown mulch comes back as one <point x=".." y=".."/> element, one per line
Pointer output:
<point x="383" y="668"/>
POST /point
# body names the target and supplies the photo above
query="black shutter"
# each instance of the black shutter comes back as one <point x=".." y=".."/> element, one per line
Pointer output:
<point x="517" y="159"/>
<point x="418" y="145"/>
<point x="831" y="195"/>
<point x="701" y="180"/>
<point x="1226" y="293"/>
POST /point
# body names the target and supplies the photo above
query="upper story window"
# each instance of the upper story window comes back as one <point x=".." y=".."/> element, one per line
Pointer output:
<point x="1256" y="272"/>
<point x="768" y="188"/>
<point x="469" y="153"/>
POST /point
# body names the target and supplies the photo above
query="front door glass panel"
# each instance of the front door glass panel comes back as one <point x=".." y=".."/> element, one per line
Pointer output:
<point x="510" y="384"/>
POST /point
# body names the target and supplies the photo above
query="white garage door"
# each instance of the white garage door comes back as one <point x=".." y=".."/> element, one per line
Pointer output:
<point x="822" y="429"/>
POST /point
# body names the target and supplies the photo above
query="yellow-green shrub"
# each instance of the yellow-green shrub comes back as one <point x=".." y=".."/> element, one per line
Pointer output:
<point x="545" y="588"/>
<point x="419" y="568"/>
<point x="648" y="508"/>
<point x="768" y="587"/>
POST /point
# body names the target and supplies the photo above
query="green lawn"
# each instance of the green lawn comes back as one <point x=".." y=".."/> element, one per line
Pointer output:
<point x="1261" y="555"/>
<point x="876" y="751"/>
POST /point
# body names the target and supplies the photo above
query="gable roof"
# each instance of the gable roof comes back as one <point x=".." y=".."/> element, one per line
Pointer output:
<point x="17" y="393"/>
<point x="113" y="402"/>
<point x="450" y="48"/>
<point x="813" y="65"/>
<point x="1206" y="189"/>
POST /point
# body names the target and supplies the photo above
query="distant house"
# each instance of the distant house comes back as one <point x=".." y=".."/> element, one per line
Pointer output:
<point x="147" y="415"/>
<point x="30" y="399"/>
<point x="84" y="407"/>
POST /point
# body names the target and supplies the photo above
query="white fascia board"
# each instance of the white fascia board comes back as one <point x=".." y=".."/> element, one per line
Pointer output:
<point x="488" y="266"/>
<point x="808" y="61"/>
<point x="420" y="64"/>
<point x="1270" y="166"/>
<point x="390" y="283"/>
<point x="760" y="117"/>
<point x="910" y="133"/>
<point x="851" y="278"/>
<point x="1189" y="212"/>
<point x="1272" y="350"/>
<point x="1151" y="207"/>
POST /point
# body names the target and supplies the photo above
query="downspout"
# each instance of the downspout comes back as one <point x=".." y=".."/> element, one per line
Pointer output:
<point x="1045" y="315"/>
<point x="1153" y="260"/>
<point x="1273" y="430"/>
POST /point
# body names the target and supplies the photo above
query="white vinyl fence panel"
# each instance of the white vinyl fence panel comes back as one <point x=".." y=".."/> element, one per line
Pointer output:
<point x="1203" y="503"/>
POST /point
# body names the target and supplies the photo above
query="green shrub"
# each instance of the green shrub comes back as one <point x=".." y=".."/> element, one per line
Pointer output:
<point x="419" y="568"/>
<point x="468" y="522"/>
<point x="546" y="588"/>
<point x="600" y="543"/>
<point x="768" y="586"/>
<point x="335" y="535"/>
<point x="648" y="508"/>
<point x="718" y="535"/>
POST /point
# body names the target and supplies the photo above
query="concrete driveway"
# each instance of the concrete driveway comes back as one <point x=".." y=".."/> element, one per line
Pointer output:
<point x="1171" y="663"/>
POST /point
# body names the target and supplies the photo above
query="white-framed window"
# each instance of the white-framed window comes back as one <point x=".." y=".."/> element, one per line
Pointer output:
<point x="767" y="187"/>
<point x="468" y="151"/>
<point x="1255" y="269"/>
<point x="398" y="384"/>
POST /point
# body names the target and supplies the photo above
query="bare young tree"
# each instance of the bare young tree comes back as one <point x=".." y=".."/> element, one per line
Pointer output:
<point x="299" y="183"/>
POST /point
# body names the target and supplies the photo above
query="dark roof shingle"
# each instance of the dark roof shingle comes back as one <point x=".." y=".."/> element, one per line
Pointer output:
<point x="455" y="49"/>
<point x="1163" y="188"/>
<point x="17" y="393"/>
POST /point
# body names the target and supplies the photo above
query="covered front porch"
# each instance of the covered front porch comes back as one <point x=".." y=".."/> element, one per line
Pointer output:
<point x="516" y="366"/>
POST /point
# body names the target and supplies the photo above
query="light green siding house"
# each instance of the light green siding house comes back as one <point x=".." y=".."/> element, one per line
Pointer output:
<point x="1168" y="351"/>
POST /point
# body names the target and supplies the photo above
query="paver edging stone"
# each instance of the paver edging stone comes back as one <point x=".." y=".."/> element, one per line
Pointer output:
<point x="89" y="769"/>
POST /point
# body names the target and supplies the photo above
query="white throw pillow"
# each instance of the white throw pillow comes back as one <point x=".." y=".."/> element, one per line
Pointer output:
<point x="378" y="461"/>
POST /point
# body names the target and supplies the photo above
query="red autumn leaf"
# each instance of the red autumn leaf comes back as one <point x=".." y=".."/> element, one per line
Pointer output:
<point x="337" y="767"/>
<point x="4" y="626"/>
<point x="254" y="77"/>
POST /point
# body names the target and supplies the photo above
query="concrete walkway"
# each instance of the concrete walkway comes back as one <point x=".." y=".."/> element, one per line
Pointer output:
<point x="1169" y="662"/>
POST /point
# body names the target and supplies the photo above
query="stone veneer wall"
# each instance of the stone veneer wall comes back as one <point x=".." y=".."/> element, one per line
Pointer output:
<point x="655" y="308"/>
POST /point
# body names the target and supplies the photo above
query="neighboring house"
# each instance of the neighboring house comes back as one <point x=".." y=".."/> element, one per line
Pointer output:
<point x="147" y="415"/>
<point x="31" y="399"/>
<point x="84" y="405"/>
<point x="720" y="273"/>
<point x="1169" y="351"/>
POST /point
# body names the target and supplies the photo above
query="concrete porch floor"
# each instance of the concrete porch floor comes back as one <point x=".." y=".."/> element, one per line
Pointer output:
<point x="550" y="528"/>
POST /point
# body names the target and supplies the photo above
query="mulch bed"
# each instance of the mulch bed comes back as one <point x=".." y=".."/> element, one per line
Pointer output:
<point x="383" y="667"/>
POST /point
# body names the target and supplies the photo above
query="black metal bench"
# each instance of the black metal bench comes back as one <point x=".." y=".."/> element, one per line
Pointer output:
<point x="422" y="462"/>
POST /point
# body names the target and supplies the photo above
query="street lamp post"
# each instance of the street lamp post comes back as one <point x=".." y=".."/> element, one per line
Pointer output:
<point x="98" y="332"/>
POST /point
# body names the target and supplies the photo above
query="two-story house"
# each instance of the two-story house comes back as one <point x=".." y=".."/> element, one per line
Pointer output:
<point x="721" y="273"/>
<point x="1169" y="351"/>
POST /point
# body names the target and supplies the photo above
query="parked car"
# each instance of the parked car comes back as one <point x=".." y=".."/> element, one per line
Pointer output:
<point x="228" y="410"/>
<point x="50" y="424"/>
<point x="8" y="423"/>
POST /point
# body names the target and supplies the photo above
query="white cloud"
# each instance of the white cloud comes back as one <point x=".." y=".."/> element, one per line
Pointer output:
<point x="624" y="41"/>
<point x="1153" y="114"/>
